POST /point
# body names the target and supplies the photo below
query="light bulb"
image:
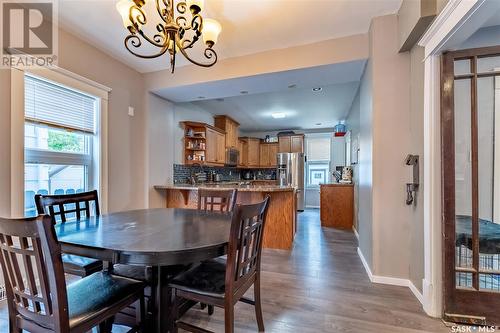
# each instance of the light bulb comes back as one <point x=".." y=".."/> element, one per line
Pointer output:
<point x="211" y="31"/>
<point x="195" y="6"/>
<point x="123" y="7"/>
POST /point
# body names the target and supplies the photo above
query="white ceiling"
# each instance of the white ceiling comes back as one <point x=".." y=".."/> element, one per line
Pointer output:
<point x="249" y="26"/>
<point x="269" y="93"/>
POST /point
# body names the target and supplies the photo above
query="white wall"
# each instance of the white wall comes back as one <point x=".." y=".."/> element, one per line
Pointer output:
<point x="353" y="123"/>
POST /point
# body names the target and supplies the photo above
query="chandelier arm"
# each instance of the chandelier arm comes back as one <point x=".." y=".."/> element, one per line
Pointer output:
<point x="209" y="54"/>
<point x="139" y="19"/>
<point x="157" y="40"/>
<point x="135" y="41"/>
<point x="159" y="9"/>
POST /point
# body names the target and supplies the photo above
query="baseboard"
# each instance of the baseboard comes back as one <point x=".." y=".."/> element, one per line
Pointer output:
<point x="390" y="280"/>
<point x="355" y="232"/>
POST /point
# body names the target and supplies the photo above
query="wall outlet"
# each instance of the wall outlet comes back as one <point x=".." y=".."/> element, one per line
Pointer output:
<point x="131" y="111"/>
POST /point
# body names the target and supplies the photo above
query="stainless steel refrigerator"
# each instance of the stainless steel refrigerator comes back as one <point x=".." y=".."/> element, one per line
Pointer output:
<point x="290" y="172"/>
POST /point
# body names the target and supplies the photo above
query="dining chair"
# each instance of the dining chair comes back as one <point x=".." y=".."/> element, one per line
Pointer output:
<point x="39" y="300"/>
<point x="217" y="200"/>
<point x="63" y="207"/>
<point x="223" y="283"/>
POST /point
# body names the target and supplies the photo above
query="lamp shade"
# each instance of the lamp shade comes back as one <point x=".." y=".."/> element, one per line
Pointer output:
<point x="123" y="7"/>
<point x="211" y="31"/>
<point x="195" y="6"/>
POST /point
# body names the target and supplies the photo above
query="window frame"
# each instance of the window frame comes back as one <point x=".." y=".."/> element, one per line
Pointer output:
<point x="98" y="165"/>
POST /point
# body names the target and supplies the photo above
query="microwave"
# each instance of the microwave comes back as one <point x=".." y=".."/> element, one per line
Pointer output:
<point x="232" y="157"/>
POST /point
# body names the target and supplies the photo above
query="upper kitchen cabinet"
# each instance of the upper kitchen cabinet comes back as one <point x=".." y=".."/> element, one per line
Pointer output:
<point x="242" y="147"/>
<point x="203" y="144"/>
<point x="268" y="153"/>
<point x="291" y="143"/>
<point x="231" y="127"/>
<point x="250" y="154"/>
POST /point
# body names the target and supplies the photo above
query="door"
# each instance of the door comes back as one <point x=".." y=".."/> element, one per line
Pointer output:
<point x="470" y="129"/>
<point x="211" y="146"/>
<point x="284" y="144"/>
<point x="273" y="151"/>
<point x="264" y="155"/>
<point x="297" y="144"/>
<point x="221" y="147"/>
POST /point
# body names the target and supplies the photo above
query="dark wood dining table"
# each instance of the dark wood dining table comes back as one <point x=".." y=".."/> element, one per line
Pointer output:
<point x="149" y="237"/>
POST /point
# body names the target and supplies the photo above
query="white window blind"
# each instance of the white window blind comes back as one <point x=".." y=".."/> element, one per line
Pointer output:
<point x="318" y="148"/>
<point x="53" y="105"/>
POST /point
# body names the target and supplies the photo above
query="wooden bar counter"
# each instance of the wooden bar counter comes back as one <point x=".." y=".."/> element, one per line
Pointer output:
<point x="337" y="205"/>
<point x="281" y="217"/>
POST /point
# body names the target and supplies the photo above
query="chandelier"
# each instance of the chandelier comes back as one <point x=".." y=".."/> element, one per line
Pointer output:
<point x="177" y="31"/>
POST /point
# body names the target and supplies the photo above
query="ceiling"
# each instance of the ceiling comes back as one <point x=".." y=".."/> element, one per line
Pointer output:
<point x="249" y="26"/>
<point x="270" y="93"/>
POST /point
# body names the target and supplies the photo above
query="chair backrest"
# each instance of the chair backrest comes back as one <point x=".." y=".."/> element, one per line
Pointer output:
<point x="217" y="200"/>
<point x="30" y="256"/>
<point x="245" y="243"/>
<point x="64" y="206"/>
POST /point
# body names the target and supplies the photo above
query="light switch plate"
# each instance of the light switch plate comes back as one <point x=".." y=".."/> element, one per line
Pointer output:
<point x="131" y="111"/>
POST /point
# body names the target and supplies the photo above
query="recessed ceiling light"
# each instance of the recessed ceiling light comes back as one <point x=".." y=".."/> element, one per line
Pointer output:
<point x="318" y="124"/>
<point x="201" y="97"/>
<point x="219" y="99"/>
<point x="278" y="115"/>
<point x="317" y="89"/>
<point x="292" y="86"/>
<point x="244" y="92"/>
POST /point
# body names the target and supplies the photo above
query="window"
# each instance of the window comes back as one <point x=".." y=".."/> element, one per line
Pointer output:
<point x="318" y="159"/>
<point x="59" y="140"/>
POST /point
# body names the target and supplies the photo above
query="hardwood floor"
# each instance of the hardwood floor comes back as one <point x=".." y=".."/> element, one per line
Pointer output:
<point x="320" y="286"/>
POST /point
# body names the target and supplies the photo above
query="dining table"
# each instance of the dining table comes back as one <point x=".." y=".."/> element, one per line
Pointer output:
<point x="149" y="237"/>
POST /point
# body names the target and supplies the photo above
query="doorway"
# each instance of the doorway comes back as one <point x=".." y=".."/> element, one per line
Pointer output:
<point x="470" y="132"/>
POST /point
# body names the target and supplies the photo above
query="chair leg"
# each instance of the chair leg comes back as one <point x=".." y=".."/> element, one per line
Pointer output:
<point x="229" y="318"/>
<point x="141" y="315"/>
<point x="210" y="310"/>
<point x="175" y="311"/>
<point x="258" y="305"/>
<point x="203" y="306"/>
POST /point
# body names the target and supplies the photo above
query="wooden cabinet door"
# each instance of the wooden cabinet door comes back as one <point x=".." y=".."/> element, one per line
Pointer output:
<point x="211" y="146"/>
<point x="284" y="144"/>
<point x="264" y="155"/>
<point x="221" y="148"/>
<point x="253" y="152"/>
<point x="243" y="153"/>
<point x="297" y="144"/>
<point x="273" y="151"/>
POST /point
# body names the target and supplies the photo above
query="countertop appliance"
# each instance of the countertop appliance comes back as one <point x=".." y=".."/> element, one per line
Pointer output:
<point x="290" y="172"/>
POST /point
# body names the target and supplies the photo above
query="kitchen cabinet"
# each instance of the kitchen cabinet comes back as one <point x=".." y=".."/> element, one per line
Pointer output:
<point x="337" y="205"/>
<point x="242" y="147"/>
<point x="215" y="146"/>
<point x="231" y="127"/>
<point x="268" y="153"/>
<point x="253" y="152"/>
<point x="291" y="143"/>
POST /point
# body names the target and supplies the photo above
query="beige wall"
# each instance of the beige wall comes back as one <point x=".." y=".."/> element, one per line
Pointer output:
<point x="353" y="124"/>
<point x="125" y="134"/>
<point x="322" y="53"/>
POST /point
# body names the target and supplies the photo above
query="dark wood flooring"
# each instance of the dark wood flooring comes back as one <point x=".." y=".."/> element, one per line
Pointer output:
<point x="320" y="286"/>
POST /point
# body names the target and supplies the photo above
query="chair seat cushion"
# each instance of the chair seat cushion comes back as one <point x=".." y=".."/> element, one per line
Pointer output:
<point x="206" y="278"/>
<point x="145" y="274"/>
<point x="74" y="264"/>
<point x="91" y="296"/>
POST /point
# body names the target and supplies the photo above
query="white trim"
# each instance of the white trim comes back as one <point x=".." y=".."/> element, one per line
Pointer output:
<point x="390" y="280"/>
<point x="355" y="232"/>
<point x="60" y="76"/>
<point x="452" y="17"/>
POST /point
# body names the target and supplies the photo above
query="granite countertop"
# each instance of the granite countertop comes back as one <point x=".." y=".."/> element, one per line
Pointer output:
<point x="222" y="186"/>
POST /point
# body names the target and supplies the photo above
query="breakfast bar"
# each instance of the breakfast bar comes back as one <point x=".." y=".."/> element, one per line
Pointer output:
<point x="281" y="217"/>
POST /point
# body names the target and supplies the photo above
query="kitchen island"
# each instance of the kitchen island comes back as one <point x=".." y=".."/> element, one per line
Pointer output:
<point x="281" y="217"/>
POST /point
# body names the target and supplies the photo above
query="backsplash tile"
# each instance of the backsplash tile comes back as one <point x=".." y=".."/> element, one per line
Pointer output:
<point x="183" y="172"/>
